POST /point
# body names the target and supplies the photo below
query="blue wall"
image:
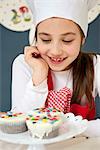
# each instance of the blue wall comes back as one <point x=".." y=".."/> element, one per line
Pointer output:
<point x="12" y="43"/>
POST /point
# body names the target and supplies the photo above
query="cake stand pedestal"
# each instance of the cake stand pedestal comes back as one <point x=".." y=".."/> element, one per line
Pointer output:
<point x="36" y="147"/>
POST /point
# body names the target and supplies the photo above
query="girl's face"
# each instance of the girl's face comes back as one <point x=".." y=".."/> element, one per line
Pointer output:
<point x="58" y="41"/>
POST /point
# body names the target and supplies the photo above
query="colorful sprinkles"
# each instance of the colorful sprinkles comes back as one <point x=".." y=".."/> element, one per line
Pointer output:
<point x="10" y="115"/>
<point x="48" y="118"/>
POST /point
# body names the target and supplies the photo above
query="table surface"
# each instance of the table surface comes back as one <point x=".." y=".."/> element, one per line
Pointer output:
<point x="76" y="143"/>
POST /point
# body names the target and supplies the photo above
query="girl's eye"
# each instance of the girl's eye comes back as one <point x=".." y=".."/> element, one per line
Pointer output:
<point x="67" y="41"/>
<point x="46" y="41"/>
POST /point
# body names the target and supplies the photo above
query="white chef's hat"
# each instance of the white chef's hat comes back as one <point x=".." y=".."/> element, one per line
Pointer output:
<point x="75" y="10"/>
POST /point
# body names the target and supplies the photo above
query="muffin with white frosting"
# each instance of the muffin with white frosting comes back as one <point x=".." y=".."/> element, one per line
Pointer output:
<point x="13" y="123"/>
<point x="44" y="123"/>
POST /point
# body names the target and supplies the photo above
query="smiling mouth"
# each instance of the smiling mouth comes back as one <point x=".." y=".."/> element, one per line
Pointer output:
<point x="57" y="60"/>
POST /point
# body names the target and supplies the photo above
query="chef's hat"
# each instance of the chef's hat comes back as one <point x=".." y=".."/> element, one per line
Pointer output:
<point x="75" y="10"/>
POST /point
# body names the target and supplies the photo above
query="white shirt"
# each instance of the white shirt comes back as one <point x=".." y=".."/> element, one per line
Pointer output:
<point x="26" y="97"/>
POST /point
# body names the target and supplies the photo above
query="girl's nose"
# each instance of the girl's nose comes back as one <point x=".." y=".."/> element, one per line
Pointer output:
<point x="56" y="49"/>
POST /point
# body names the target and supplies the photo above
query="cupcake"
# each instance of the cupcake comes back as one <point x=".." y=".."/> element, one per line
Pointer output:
<point x="44" y="123"/>
<point x="42" y="112"/>
<point x="13" y="123"/>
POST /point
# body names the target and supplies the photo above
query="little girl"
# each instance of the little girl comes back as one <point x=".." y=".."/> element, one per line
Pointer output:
<point x="54" y="72"/>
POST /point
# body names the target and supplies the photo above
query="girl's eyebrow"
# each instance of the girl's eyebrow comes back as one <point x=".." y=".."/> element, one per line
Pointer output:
<point x="43" y="33"/>
<point x="64" y="34"/>
<point x="68" y="33"/>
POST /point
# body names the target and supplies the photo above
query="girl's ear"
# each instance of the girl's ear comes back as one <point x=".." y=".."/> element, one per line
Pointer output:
<point x="83" y="40"/>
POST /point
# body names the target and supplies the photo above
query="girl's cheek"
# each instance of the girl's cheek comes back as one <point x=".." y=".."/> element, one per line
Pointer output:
<point x="42" y="49"/>
<point x="72" y="51"/>
<point x="73" y="48"/>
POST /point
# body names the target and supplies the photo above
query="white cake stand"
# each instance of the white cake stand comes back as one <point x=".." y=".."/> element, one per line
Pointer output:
<point x="67" y="131"/>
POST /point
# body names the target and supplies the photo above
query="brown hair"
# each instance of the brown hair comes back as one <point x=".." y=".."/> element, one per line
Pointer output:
<point x="83" y="77"/>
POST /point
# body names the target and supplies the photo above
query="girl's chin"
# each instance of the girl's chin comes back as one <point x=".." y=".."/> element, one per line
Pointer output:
<point x="57" y="69"/>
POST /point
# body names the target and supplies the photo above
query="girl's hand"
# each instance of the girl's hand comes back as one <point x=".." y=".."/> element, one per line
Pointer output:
<point x="38" y="65"/>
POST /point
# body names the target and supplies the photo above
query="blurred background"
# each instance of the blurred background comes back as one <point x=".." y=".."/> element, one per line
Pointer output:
<point x="12" y="44"/>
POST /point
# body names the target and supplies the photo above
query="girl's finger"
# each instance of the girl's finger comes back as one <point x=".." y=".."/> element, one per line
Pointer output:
<point x="36" y="55"/>
<point x="30" y="49"/>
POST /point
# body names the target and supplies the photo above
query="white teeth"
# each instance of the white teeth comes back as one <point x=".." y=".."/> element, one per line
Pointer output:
<point x="57" y="59"/>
